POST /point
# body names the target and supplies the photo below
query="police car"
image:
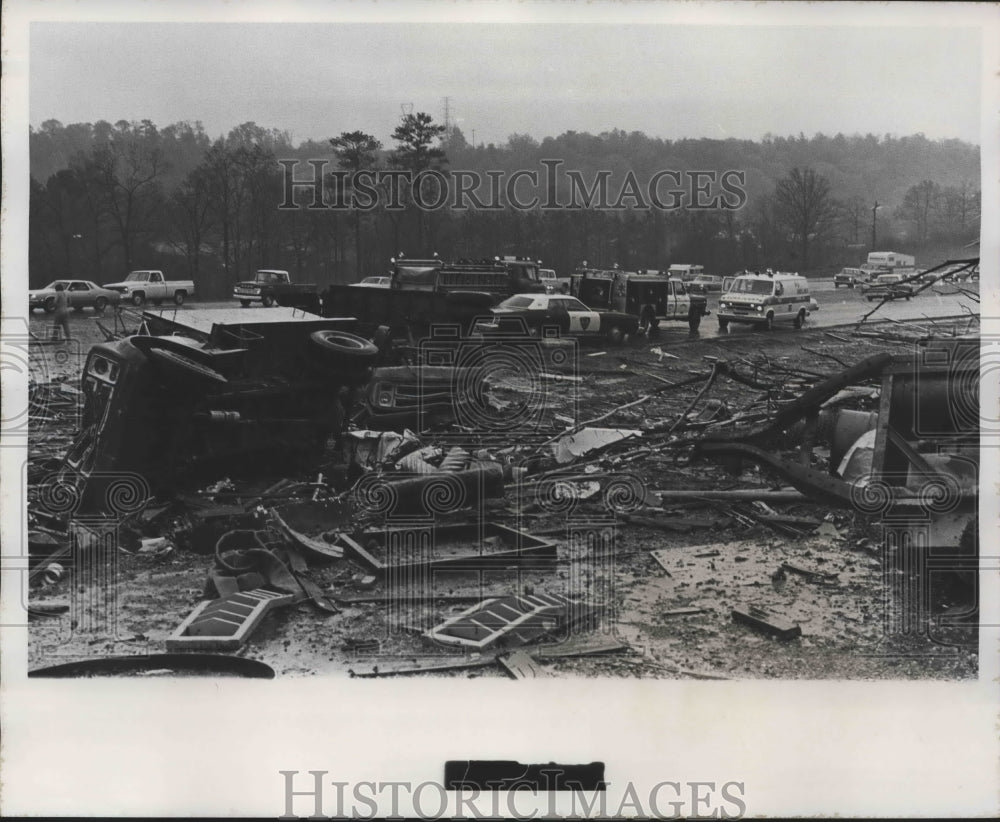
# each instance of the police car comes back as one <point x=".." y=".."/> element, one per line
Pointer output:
<point x="765" y="299"/>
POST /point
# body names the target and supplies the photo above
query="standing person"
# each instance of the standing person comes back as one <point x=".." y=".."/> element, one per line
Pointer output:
<point x="62" y="311"/>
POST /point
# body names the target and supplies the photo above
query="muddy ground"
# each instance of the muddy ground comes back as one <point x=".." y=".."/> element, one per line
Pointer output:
<point x="668" y="592"/>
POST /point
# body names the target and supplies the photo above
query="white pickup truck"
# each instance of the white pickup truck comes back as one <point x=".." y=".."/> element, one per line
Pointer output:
<point x="140" y="286"/>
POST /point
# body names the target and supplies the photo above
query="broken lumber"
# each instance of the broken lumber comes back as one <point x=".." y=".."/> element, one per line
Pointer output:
<point x="768" y="623"/>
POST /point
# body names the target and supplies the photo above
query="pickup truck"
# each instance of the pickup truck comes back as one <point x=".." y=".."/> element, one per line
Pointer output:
<point x="888" y="286"/>
<point x="275" y="287"/>
<point x="142" y="286"/>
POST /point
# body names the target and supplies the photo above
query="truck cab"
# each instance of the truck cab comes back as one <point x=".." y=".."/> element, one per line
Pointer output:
<point x="651" y="296"/>
<point x="257" y="289"/>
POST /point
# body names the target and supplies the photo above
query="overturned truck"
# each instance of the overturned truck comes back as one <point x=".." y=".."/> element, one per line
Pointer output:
<point x="210" y="388"/>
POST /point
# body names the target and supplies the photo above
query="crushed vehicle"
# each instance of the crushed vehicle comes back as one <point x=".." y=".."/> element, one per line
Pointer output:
<point x="80" y="293"/>
<point x="889" y="286"/>
<point x="653" y="297"/>
<point x="762" y="300"/>
<point x="425" y="292"/>
<point x="142" y="286"/>
<point x="209" y="388"/>
<point x="562" y="312"/>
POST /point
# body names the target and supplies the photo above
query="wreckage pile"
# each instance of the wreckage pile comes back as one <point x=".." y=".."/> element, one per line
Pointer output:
<point x="425" y="549"/>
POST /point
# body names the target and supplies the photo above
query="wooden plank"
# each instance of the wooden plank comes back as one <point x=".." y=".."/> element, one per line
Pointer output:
<point x="761" y="620"/>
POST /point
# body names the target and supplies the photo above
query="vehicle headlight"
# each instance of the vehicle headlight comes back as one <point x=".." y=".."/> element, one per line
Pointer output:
<point x="758" y="308"/>
<point x="722" y="305"/>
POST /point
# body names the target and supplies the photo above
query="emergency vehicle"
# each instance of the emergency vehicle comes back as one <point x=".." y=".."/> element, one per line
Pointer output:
<point x="765" y="299"/>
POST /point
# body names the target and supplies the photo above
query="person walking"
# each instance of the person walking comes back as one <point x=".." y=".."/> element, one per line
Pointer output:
<point x="62" y="312"/>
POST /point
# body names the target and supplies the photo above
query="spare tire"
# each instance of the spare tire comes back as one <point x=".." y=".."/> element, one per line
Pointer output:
<point x="343" y="350"/>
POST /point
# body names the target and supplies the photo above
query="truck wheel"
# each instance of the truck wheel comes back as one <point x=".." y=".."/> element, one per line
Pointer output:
<point x="770" y="321"/>
<point x="138" y="299"/>
<point x="615" y="334"/>
<point x="836" y="286"/>
<point x="179" y="297"/>
<point x="800" y="318"/>
<point x="344" y="350"/>
<point x="694" y="318"/>
<point x="100" y="304"/>
<point x="267" y="300"/>
<point x="245" y="303"/>
<point x="723" y="324"/>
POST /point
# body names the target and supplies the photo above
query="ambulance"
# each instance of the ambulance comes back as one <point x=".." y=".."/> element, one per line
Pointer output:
<point x="766" y="299"/>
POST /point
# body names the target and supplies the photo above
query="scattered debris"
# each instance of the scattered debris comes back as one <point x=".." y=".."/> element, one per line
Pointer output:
<point x="520" y="665"/>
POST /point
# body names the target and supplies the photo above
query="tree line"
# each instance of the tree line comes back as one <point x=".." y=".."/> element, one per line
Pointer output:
<point x="106" y="198"/>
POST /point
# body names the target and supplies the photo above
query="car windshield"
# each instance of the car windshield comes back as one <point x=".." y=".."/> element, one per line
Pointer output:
<point x="752" y="287"/>
<point x="517" y="302"/>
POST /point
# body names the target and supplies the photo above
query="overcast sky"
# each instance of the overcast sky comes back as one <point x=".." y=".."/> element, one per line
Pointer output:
<point x="667" y="81"/>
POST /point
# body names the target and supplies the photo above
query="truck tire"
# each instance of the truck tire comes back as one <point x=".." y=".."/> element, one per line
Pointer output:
<point x="179" y="297"/>
<point x="245" y="303"/>
<point x="615" y="334"/>
<point x="343" y="350"/>
<point x="769" y="320"/>
<point x="267" y="300"/>
<point x="800" y="318"/>
<point x="723" y="324"/>
<point x="50" y="305"/>
<point x="694" y="318"/>
<point x="100" y="304"/>
<point x="138" y="299"/>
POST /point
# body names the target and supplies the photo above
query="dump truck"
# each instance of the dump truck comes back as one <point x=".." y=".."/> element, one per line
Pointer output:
<point x="425" y="292"/>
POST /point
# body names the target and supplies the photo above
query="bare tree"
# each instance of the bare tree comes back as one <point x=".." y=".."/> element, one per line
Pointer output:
<point x="805" y="207"/>
<point x="356" y="150"/>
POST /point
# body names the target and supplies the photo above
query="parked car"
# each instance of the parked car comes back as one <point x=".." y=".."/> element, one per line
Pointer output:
<point x="704" y="283"/>
<point x="849" y="277"/>
<point x="568" y="314"/>
<point x="888" y="286"/>
<point x="376" y="282"/>
<point x="140" y="286"/>
<point x="81" y="294"/>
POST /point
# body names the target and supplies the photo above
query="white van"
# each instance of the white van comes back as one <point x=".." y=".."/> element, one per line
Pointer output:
<point x="766" y="299"/>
